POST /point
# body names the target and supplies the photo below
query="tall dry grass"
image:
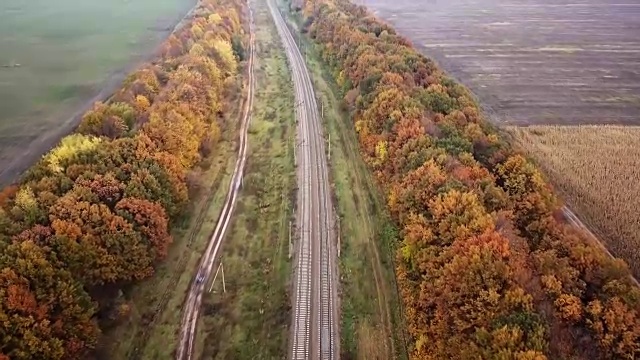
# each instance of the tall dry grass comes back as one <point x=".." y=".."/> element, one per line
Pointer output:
<point x="597" y="170"/>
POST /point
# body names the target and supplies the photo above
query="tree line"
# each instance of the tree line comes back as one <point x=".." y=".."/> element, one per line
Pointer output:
<point x="487" y="266"/>
<point x="94" y="214"/>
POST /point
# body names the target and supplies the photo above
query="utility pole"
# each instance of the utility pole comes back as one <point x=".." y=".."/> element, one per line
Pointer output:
<point x="338" y="222"/>
<point x="224" y="287"/>
<point x="290" y="245"/>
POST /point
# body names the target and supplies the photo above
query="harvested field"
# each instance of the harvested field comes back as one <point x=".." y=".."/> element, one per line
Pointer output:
<point x="533" y="61"/>
<point x="597" y="169"/>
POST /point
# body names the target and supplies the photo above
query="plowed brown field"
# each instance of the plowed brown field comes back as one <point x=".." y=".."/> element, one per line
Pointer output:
<point x="533" y="61"/>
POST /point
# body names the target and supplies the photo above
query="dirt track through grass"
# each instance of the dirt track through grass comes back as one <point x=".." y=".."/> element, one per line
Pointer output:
<point x="250" y="320"/>
<point x="150" y="332"/>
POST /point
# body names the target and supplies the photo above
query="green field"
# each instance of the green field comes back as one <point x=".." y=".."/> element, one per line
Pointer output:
<point x="56" y="55"/>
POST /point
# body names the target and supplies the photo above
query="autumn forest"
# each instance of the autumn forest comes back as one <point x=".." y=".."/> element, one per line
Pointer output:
<point x="94" y="215"/>
<point x="487" y="266"/>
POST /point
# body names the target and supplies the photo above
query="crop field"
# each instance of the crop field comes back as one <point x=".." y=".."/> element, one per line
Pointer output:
<point x="597" y="169"/>
<point x="533" y="61"/>
<point x="56" y="56"/>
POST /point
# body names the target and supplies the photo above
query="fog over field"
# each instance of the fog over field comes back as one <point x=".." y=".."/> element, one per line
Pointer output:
<point x="55" y="56"/>
<point x="533" y="61"/>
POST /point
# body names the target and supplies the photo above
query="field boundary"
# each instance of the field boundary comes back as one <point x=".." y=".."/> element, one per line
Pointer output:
<point x="572" y="217"/>
<point x="12" y="171"/>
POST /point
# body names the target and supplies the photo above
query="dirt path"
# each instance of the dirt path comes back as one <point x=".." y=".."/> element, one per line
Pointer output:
<point x="382" y="288"/>
<point x="383" y="301"/>
<point x="194" y="298"/>
<point x="575" y="221"/>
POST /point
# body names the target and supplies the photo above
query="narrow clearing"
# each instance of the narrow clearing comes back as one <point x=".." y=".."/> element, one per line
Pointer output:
<point x="194" y="298"/>
<point x="248" y="316"/>
<point x="371" y="314"/>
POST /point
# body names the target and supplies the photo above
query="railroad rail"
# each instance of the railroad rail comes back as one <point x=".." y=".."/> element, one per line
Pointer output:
<point x="314" y="326"/>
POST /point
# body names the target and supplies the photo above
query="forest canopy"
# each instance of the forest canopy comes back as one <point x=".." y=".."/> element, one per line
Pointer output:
<point x="94" y="215"/>
<point x="487" y="266"/>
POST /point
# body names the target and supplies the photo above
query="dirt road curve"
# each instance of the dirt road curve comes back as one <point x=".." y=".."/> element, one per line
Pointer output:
<point x="575" y="221"/>
<point x="194" y="298"/>
<point x="315" y="311"/>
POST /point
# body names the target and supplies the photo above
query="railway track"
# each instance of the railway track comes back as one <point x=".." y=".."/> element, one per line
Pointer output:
<point x="196" y="291"/>
<point x="314" y="323"/>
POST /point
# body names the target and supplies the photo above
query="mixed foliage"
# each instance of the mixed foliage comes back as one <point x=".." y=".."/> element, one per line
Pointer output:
<point x="94" y="215"/>
<point x="487" y="266"/>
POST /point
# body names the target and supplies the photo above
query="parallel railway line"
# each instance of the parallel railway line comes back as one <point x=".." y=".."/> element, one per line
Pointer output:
<point x="315" y="326"/>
